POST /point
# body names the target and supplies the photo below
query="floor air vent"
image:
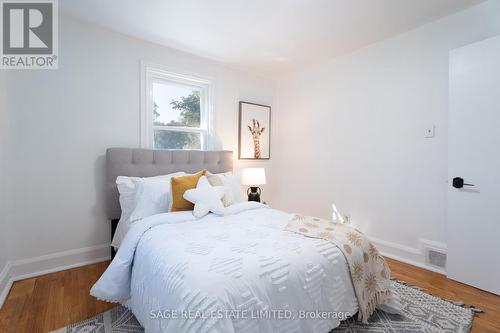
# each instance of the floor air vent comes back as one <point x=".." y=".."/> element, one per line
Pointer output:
<point x="435" y="258"/>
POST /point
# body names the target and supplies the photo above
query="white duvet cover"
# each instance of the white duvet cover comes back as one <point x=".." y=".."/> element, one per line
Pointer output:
<point x="237" y="273"/>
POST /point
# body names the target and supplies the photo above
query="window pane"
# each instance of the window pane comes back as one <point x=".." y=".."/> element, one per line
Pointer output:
<point x="177" y="140"/>
<point x="175" y="105"/>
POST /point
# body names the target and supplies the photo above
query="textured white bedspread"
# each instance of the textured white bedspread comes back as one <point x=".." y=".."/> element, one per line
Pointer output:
<point x="217" y="274"/>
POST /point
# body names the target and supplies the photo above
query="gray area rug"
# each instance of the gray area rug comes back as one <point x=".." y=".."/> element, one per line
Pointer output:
<point x="421" y="313"/>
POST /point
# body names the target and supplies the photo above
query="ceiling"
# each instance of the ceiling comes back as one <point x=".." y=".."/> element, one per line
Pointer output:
<point x="269" y="37"/>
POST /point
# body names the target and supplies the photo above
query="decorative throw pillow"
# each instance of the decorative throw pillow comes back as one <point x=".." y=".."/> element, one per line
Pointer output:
<point x="232" y="186"/>
<point x="206" y="198"/>
<point x="179" y="185"/>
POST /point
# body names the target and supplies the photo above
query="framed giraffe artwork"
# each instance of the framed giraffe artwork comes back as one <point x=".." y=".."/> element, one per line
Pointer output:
<point x="254" y="142"/>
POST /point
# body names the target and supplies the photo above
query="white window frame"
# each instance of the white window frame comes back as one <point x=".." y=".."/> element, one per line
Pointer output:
<point x="151" y="73"/>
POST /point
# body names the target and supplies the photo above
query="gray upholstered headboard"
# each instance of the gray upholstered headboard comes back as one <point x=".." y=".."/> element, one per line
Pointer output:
<point x="148" y="162"/>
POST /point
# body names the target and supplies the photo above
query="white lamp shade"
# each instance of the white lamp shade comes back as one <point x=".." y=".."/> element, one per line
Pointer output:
<point x="253" y="176"/>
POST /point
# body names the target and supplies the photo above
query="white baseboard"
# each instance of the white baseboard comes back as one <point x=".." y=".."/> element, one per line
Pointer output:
<point x="5" y="282"/>
<point x="27" y="268"/>
<point x="406" y="254"/>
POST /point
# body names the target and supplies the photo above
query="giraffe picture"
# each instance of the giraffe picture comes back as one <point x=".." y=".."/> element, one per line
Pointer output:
<point x="254" y="131"/>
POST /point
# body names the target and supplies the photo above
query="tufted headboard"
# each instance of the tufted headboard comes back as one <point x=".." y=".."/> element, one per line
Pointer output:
<point x="134" y="162"/>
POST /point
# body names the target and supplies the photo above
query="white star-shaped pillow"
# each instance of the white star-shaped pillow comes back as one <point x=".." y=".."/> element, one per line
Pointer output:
<point x="206" y="198"/>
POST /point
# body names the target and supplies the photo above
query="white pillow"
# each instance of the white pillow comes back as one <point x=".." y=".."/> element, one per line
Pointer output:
<point x="153" y="196"/>
<point x="233" y="192"/>
<point x="206" y="198"/>
<point x="128" y="188"/>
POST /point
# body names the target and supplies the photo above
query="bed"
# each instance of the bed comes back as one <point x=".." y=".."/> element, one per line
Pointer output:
<point x="240" y="272"/>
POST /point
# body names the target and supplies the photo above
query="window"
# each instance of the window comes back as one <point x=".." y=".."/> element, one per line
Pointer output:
<point x="176" y="110"/>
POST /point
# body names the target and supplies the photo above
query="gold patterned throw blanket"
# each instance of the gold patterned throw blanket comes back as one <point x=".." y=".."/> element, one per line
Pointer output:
<point x="369" y="271"/>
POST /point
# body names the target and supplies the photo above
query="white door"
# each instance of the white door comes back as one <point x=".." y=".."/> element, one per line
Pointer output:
<point x="474" y="155"/>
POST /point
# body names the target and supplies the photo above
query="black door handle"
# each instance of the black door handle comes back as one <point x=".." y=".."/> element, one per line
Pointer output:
<point x="459" y="183"/>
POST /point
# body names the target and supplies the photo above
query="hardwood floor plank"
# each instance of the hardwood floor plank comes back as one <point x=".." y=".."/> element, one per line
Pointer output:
<point x="55" y="300"/>
<point x="22" y="288"/>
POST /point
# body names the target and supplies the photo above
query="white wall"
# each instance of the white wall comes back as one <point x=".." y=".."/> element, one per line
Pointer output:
<point x="351" y="131"/>
<point x="4" y="226"/>
<point x="62" y="121"/>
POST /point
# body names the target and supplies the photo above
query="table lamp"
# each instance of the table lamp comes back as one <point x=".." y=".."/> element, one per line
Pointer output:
<point x="253" y="177"/>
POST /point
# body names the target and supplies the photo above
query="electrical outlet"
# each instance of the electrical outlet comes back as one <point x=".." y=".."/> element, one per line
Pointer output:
<point x="430" y="131"/>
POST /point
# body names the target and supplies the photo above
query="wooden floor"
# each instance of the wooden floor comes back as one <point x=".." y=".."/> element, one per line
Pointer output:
<point x="54" y="300"/>
<point x="438" y="285"/>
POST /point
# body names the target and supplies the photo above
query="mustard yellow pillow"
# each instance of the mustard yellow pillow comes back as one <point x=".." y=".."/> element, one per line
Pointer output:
<point x="179" y="185"/>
